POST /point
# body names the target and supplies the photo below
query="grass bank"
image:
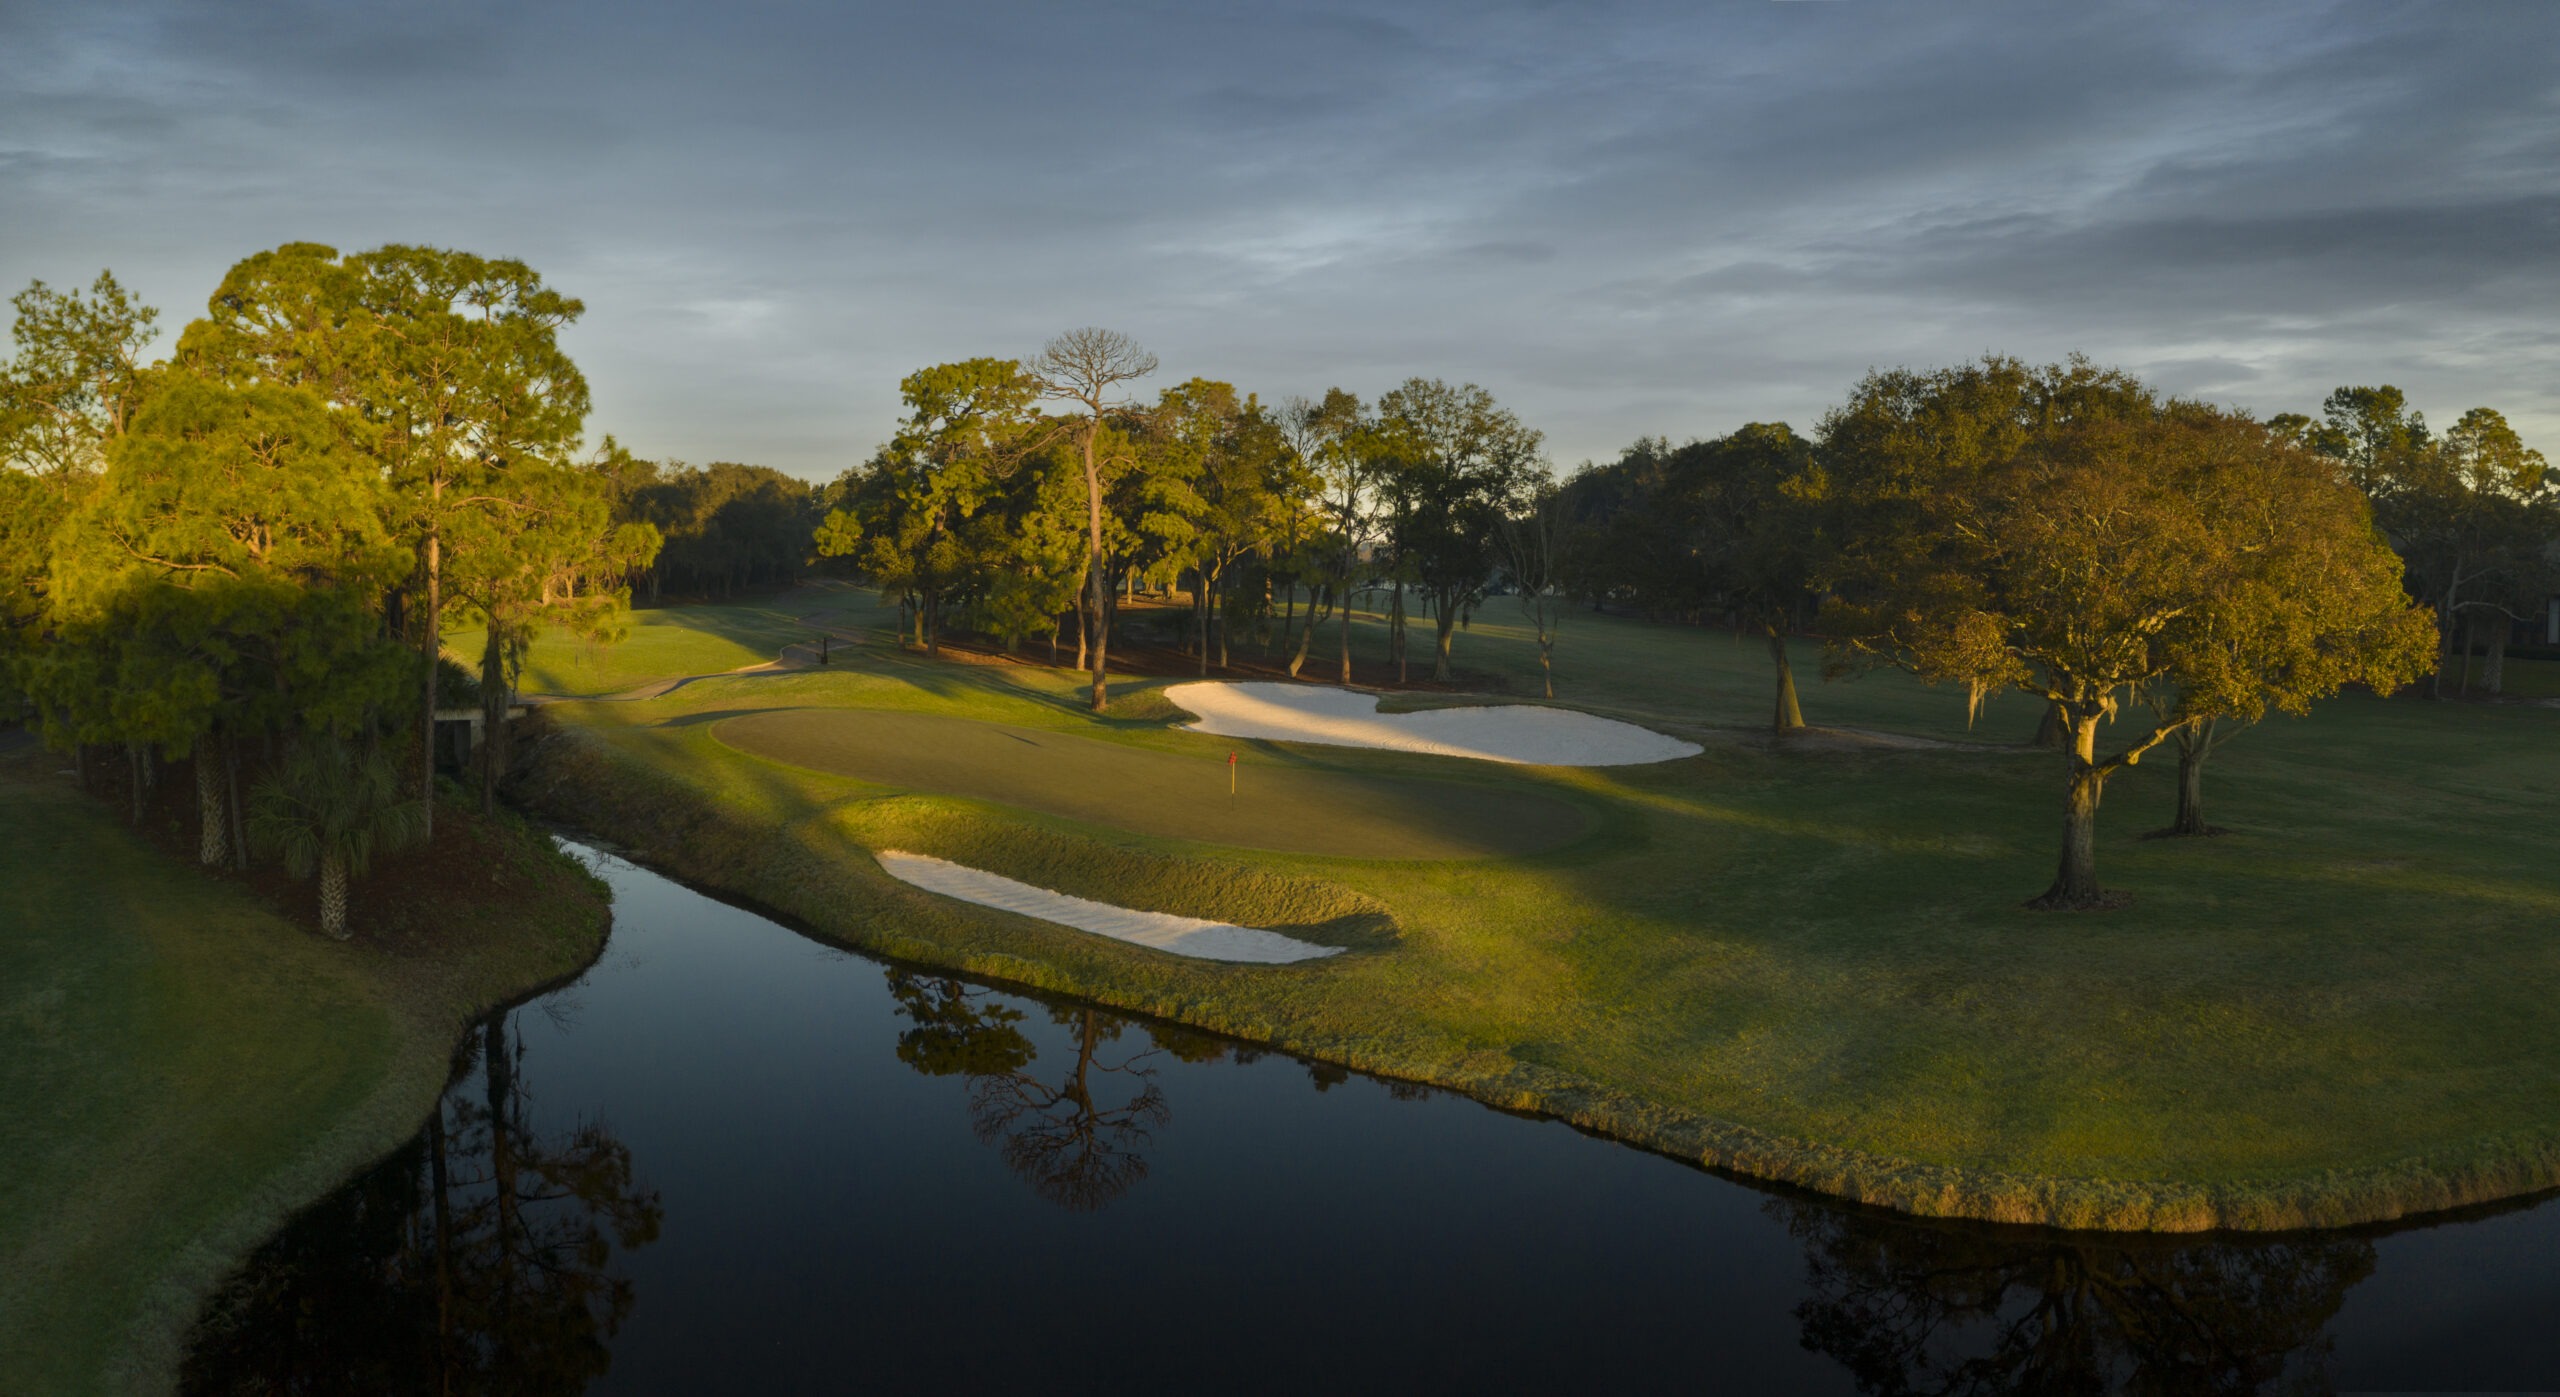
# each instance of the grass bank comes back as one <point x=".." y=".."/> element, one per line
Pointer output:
<point x="1805" y="961"/>
<point x="667" y="642"/>
<point x="184" y="1061"/>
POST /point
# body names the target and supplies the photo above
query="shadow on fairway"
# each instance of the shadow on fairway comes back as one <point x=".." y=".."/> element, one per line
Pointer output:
<point x="1288" y="809"/>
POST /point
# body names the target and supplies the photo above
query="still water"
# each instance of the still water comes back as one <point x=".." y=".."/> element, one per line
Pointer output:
<point x="732" y="1159"/>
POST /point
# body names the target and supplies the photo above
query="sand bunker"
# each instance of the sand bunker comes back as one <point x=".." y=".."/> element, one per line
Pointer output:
<point x="1522" y="733"/>
<point x="1183" y="936"/>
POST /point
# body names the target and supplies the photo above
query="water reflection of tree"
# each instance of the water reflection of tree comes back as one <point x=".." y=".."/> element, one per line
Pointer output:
<point x="477" y="1260"/>
<point x="1076" y="1138"/>
<point x="1914" y="1307"/>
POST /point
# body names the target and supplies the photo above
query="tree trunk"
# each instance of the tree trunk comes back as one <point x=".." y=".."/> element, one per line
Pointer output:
<point x="1789" y="717"/>
<point x="493" y="712"/>
<point x="1346" y="627"/>
<point x="2052" y="732"/>
<point x="1101" y="643"/>
<point x="231" y="793"/>
<point x="1218" y="619"/>
<point x="1093" y="557"/>
<point x="1306" y="636"/>
<point x="1547" y="656"/>
<point x="211" y="845"/>
<point x="1445" y="616"/>
<point x="2195" y="743"/>
<point x="1200" y="615"/>
<point x="2493" y="666"/>
<point x="333" y="896"/>
<point x="2470" y="643"/>
<point x="430" y="645"/>
<point x="1395" y="630"/>
<point x="2075" y="883"/>
<point x="1289" y="623"/>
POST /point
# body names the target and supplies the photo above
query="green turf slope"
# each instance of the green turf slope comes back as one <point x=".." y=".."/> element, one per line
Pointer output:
<point x="1803" y="960"/>
<point x="180" y="1069"/>
<point x="677" y="641"/>
<point x="1282" y="799"/>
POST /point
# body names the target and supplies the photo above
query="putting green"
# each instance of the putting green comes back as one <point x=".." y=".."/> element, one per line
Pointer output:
<point x="1282" y="804"/>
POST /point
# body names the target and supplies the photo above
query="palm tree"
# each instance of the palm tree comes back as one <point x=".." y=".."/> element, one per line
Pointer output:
<point x="329" y="808"/>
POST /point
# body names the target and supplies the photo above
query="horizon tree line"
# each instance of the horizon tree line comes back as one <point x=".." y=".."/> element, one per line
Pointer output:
<point x="251" y="550"/>
<point x="984" y="513"/>
<point x="2063" y="531"/>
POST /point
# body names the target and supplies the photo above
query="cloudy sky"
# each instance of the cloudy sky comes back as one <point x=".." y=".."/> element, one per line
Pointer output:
<point x="1624" y="219"/>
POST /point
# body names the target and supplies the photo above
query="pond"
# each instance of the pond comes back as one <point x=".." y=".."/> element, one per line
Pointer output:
<point x="730" y="1158"/>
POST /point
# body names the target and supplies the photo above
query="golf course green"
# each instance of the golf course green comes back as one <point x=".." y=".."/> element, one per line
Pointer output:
<point x="1296" y="805"/>
<point x="1803" y="960"/>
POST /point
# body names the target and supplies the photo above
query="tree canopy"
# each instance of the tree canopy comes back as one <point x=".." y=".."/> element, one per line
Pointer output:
<point x="252" y="548"/>
<point x="2066" y="533"/>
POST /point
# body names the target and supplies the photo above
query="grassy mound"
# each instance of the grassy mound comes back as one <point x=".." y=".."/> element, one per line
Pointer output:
<point x="182" y="1065"/>
<point x="1146" y="705"/>
<point x="1285" y="801"/>
<point x="1082" y="865"/>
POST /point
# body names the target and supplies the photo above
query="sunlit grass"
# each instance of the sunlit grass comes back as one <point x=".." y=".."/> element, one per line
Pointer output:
<point x="671" y="642"/>
<point x="1778" y="951"/>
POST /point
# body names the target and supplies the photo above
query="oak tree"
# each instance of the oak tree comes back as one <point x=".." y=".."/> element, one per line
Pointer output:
<point x="2085" y="543"/>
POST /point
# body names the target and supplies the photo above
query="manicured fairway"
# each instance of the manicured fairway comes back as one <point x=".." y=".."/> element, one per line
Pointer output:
<point x="670" y="642"/>
<point x="1283" y="802"/>
<point x="1805" y="959"/>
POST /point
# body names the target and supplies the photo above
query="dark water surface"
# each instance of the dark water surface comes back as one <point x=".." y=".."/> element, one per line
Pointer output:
<point x="730" y="1159"/>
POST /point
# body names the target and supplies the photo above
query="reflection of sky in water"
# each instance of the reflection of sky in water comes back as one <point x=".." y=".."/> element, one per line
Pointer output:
<point x="832" y="1218"/>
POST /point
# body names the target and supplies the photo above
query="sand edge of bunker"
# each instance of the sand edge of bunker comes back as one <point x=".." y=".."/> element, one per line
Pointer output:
<point x="804" y="873"/>
<point x="1199" y="938"/>
<point x="1524" y="734"/>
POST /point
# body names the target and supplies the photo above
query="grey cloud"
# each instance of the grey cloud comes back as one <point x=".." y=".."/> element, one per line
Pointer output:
<point x="1625" y="219"/>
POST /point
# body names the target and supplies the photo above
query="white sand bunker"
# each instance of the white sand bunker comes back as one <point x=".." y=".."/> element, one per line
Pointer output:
<point x="1522" y="733"/>
<point x="1183" y="936"/>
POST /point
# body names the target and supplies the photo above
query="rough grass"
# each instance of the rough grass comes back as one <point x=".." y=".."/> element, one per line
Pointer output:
<point x="181" y="1066"/>
<point x="1801" y="960"/>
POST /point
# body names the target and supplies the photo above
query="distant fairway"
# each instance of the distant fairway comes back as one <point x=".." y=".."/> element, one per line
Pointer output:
<point x="1285" y="808"/>
<point x="675" y="641"/>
